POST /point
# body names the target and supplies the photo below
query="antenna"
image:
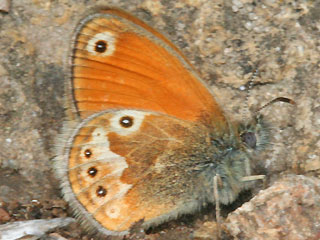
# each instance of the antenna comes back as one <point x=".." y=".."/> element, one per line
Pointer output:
<point x="278" y="99"/>
<point x="250" y="84"/>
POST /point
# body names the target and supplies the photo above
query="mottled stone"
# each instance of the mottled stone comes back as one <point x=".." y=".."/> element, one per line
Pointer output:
<point x="5" y="5"/>
<point x="289" y="209"/>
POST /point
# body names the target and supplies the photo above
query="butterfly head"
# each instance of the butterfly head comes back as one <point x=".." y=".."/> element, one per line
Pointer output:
<point x="233" y="156"/>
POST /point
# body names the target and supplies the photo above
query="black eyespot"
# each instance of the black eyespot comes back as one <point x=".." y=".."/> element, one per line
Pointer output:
<point x="126" y="121"/>
<point x="249" y="138"/>
<point x="87" y="153"/>
<point x="92" y="171"/>
<point x="101" y="191"/>
<point x="101" y="46"/>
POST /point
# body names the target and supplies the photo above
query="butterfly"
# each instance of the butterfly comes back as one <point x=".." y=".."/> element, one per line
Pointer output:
<point x="144" y="137"/>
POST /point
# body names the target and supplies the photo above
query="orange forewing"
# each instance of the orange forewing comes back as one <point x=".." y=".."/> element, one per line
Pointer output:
<point x="145" y="72"/>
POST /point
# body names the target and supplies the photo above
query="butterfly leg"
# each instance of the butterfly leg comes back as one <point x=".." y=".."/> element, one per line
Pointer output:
<point x="216" y="183"/>
<point x="254" y="178"/>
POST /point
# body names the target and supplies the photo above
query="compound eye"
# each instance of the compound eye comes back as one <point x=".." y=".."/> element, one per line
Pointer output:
<point x="249" y="138"/>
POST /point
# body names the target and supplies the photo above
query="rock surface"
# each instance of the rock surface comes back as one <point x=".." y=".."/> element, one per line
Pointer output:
<point x="289" y="209"/>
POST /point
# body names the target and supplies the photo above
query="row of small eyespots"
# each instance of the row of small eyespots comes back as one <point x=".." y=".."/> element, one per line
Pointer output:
<point x="125" y="122"/>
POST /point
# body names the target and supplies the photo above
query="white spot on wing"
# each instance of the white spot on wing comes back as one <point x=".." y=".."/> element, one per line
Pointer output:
<point x="137" y="117"/>
<point x="113" y="211"/>
<point x="102" y="149"/>
<point x="115" y="189"/>
<point x="108" y="37"/>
